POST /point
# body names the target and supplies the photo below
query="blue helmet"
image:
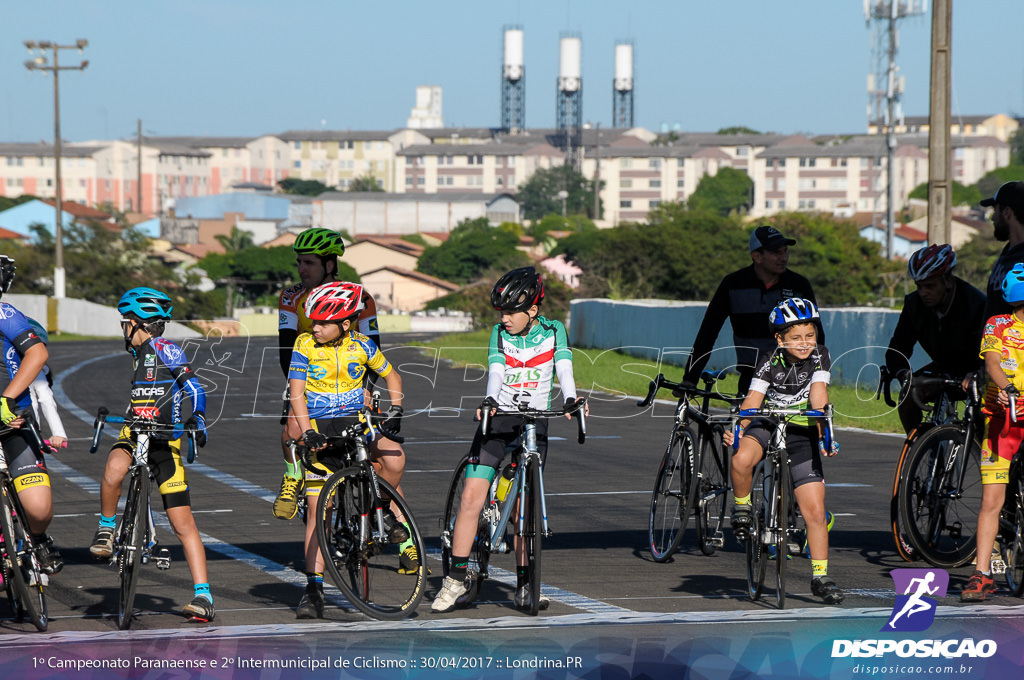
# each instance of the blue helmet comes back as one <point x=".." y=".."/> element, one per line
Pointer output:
<point x="1013" y="285"/>
<point x="147" y="304"/>
<point x="792" y="311"/>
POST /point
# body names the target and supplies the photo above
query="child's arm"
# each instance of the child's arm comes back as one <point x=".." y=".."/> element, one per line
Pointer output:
<point x="818" y="399"/>
<point x="753" y="400"/>
<point x="394" y="385"/>
<point x="996" y="375"/>
<point x="299" y="411"/>
<point x="43" y="397"/>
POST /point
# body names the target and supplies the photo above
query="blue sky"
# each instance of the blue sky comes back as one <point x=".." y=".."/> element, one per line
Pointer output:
<point x="248" y="67"/>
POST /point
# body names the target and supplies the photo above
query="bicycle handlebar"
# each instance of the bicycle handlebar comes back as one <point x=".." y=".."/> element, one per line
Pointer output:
<point x="708" y="377"/>
<point x="885" y="379"/>
<point x="103" y="416"/>
<point x="576" y="410"/>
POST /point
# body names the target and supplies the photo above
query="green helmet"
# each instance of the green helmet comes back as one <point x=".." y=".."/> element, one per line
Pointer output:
<point x="319" y="241"/>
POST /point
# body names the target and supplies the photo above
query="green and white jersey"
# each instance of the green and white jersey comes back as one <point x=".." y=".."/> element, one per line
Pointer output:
<point x="524" y="367"/>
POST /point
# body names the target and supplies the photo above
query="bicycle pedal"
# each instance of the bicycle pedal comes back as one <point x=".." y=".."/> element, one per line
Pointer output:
<point x="793" y="548"/>
<point x="163" y="558"/>
<point x="547" y="534"/>
<point x="44" y="579"/>
<point x="718" y="540"/>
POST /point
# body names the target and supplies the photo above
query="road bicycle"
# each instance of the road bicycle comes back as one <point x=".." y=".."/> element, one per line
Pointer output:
<point x="938" y="482"/>
<point x="773" y="532"/>
<point x="942" y="410"/>
<point x="693" y="477"/>
<point x="362" y="561"/>
<point x="22" y="576"/>
<point x="135" y="536"/>
<point x="518" y="511"/>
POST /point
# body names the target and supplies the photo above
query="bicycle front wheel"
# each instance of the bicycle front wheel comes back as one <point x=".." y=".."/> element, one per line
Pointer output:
<point x="780" y="526"/>
<point x="368" y="570"/>
<point x="1014" y="547"/>
<point x="671" y="501"/>
<point x="712" y="493"/>
<point x="756" y="553"/>
<point x="21" y="575"/>
<point x="940" y="496"/>
<point x="131" y="537"/>
<point x="899" y="536"/>
<point x="533" y="533"/>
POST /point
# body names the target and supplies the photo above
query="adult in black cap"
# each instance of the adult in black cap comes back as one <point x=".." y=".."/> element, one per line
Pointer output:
<point x="1007" y="225"/>
<point x="746" y="297"/>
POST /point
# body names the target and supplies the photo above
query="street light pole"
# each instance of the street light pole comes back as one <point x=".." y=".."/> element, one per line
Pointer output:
<point x="39" y="64"/>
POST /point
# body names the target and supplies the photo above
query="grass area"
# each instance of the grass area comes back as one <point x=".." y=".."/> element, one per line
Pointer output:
<point x="617" y="373"/>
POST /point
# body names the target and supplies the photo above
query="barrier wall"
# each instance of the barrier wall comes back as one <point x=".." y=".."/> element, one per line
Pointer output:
<point x="662" y="330"/>
<point x="69" y="315"/>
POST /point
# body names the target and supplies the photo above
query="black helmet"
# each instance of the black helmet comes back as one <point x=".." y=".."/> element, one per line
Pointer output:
<point x="518" y="290"/>
<point x="6" y="273"/>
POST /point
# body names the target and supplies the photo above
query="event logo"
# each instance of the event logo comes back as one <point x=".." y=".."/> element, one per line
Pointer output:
<point x="914" y="609"/>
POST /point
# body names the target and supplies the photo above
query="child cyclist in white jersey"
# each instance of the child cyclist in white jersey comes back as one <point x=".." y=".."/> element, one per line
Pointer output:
<point x="526" y="352"/>
<point x="796" y="375"/>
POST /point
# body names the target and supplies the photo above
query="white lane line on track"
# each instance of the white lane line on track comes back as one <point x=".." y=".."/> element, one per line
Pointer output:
<point x="768" y="616"/>
<point x="272" y="568"/>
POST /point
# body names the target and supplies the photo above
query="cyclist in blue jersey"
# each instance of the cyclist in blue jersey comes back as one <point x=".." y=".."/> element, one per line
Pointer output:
<point x="795" y="376"/>
<point x="161" y="379"/>
<point x="25" y="355"/>
<point x="526" y="352"/>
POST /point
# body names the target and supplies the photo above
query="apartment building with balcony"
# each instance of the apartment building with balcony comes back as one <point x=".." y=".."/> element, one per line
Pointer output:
<point x="29" y="169"/>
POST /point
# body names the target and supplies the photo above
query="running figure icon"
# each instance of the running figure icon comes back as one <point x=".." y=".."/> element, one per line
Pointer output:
<point x="916" y="592"/>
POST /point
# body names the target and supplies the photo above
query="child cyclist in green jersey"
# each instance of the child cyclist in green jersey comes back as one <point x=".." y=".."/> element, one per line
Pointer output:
<point x="325" y="383"/>
<point x="526" y="352"/>
<point x="796" y="376"/>
<point x="1002" y="348"/>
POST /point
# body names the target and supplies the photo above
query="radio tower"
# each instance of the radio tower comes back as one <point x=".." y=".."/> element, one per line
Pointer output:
<point x="885" y="88"/>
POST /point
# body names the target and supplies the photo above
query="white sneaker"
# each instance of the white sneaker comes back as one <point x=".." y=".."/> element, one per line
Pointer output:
<point x="451" y="590"/>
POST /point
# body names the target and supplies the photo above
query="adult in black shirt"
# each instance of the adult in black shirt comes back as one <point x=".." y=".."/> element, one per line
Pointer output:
<point x="1007" y="225"/>
<point x="746" y="297"/>
<point x="945" y="315"/>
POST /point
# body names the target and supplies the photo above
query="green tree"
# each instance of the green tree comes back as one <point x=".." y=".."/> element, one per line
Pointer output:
<point x="991" y="181"/>
<point x="976" y="258"/>
<point x="236" y="241"/>
<point x="475" y="299"/>
<point x="737" y="130"/>
<point x="365" y="183"/>
<point x="962" y="195"/>
<point x="1017" y="147"/>
<point x="538" y="196"/>
<point x="6" y="202"/>
<point x="302" y="187"/>
<point x="472" y="248"/>
<point x="728" y="191"/>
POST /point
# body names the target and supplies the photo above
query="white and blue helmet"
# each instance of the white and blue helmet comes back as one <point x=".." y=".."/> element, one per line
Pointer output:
<point x="792" y="311"/>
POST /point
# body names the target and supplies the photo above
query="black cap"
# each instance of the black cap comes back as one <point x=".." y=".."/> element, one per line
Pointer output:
<point x="1010" y="194"/>
<point x="768" y="238"/>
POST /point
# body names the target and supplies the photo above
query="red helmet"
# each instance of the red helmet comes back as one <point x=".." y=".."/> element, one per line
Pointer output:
<point x="931" y="261"/>
<point x="335" y="301"/>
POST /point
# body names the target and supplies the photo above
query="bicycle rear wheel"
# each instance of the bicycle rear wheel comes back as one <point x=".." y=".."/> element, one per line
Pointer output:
<point x="131" y="537"/>
<point x="899" y="535"/>
<point x="712" y="493"/>
<point x="671" y="501"/>
<point x="779" y="526"/>
<point x="366" y="569"/>
<point x="756" y="554"/>
<point x="534" y="533"/>
<point x="20" y="572"/>
<point x="479" y="553"/>
<point x="939" y="513"/>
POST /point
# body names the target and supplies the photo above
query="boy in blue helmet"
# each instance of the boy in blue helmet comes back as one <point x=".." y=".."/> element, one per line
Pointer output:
<point x="161" y="378"/>
<point x="796" y="375"/>
<point x="1002" y="348"/>
<point x="25" y="356"/>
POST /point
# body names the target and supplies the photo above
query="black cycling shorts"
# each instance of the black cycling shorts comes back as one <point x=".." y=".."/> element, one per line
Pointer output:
<point x="166" y="467"/>
<point x="490" y="450"/>
<point x="801" y="442"/>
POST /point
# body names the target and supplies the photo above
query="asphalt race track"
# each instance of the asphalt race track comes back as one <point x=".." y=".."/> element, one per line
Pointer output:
<point x="610" y="601"/>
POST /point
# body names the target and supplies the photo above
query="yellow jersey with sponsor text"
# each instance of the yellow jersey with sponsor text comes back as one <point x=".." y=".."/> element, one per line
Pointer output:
<point x="334" y="372"/>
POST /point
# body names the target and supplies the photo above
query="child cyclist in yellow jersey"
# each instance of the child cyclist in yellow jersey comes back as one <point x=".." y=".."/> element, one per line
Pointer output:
<point x="1002" y="348"/>
<point x="325" y="383"/>
<point x="526" y="352"/>
<point x="796" y="375"/>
